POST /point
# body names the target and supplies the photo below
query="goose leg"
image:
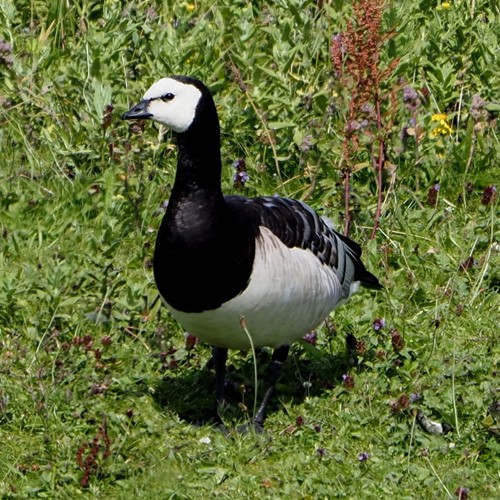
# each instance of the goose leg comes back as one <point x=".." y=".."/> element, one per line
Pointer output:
<point x="279" y="357"/>
<point x="219" y="356"/>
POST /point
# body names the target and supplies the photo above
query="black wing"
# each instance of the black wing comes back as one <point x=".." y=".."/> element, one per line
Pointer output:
<point x="298" y="225"/>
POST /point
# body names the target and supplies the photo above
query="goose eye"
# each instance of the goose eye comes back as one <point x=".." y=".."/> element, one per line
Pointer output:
<point x="167" y="97"/>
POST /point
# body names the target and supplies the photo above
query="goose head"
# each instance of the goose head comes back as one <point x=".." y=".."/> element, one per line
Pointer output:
<point x="173" y="102"/>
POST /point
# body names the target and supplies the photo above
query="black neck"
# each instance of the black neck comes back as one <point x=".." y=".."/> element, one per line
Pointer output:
<point x="198" y="165"/>
<point x="199" y="161"/>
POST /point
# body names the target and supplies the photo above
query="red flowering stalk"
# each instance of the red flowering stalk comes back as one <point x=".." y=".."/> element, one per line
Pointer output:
<point x="355" y="55"/>
<point x="90" y="456"/>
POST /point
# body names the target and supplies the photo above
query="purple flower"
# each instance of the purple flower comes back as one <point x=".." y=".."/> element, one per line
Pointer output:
<point x="378" y="324"/>
<point x="367" y="107"/>
<point x="409" y="94"/>
<point x="477" y="102"/>
<point x="353" y="125"/>
<point x="363" y="456"/>
<point x="339" y="44"/>
<point x="5" y="47"/>
<point x="6" y="53"/>
<point x="239" y="164"/>
<point x="348" y="380"/>
<point x="311" y="338"/>
<point x="241" y="177"/>
<point x="414" y="397"/>
<point x="306" y="144"/>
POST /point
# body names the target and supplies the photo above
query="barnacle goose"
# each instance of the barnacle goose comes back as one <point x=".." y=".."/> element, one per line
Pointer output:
<point x="272" y="261"/>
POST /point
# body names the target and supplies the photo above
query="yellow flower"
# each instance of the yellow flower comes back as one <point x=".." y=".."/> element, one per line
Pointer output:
<point x="443" y="127"/>
<point x="190" y="7"/>
<point x="444" y="6"/>
<point x="439" y="117"/>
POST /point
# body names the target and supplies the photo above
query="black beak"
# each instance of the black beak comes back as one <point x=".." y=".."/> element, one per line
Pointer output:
<point x="138" y="112"/>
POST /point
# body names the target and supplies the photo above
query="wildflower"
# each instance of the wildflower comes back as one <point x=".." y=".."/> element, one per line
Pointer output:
<point x="477" y="110"/>
<point x="190" y="6"/>
<point x="397" y="340"/>
<point x="368" y="108"/>
<point x="468" y="263"/>
<point x="360" y="348"/>
<point x="266" y="483"/>
<point x="363" y="456"/>
<point x="477" y="102"/>
<point x="443" y="127"/>
<point x="399" y="405"/>
<point x="151" y="13"/>
<point x="338" y="49"/>
<point x="439" y="117"/>
<point x="444" y="6"/>
<point x="378" y="324"/>
<point x="410" y="98"/>
<point x="5" y="47"/>
<point x="306" y="143"/>
<point x="462" y="493"/>
<point x="98" y="388"/>
<point x="205" y="440"/>
<point x="191" y="341"/>
<point x="6" y="53"/>
<point x="106" y="340"/>
<point x="355" y="125"/>
<point x="241" y="176"/>
<point x="300" y="421"/>
<point x="432" y="195"/>
<point x="414" y="397"/>
<point x="409" y="94"/>
<point x="348" y="380"/>
<point x="311" y="338"/>
<point x="489" y="195"/>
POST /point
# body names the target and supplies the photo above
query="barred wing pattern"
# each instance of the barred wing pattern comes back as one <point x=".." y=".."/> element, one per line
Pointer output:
<point x="298" y="225"/>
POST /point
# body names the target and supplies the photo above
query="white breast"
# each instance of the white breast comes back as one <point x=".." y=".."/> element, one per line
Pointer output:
<point x="289" y="294"/>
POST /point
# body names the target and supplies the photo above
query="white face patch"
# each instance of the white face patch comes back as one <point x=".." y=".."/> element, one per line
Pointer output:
<point x="177" y="113"/>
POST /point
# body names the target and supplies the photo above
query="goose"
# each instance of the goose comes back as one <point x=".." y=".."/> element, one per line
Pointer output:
<point x="238" y="272"/>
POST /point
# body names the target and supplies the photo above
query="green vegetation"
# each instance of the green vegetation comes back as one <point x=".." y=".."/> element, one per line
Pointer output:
<point x="98" y="384"/>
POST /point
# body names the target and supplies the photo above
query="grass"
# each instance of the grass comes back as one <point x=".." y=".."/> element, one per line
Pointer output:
<point x="98" y="386"/>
